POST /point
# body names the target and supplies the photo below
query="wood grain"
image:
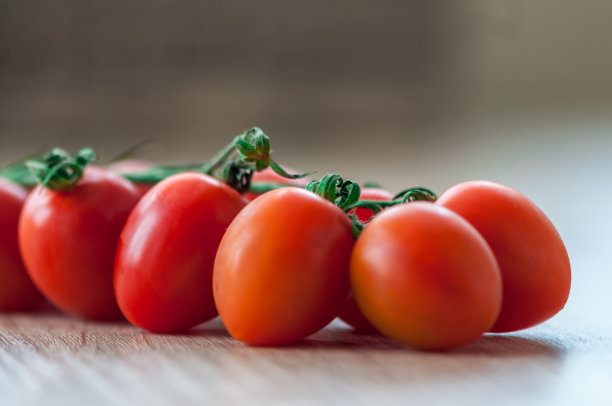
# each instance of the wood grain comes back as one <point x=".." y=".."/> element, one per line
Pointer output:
<point x="54" y="359"/>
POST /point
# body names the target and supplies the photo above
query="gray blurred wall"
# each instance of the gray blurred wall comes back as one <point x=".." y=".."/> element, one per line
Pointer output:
<point x="336" y="74"/>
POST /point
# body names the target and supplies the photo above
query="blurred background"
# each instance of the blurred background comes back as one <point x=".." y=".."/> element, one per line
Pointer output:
<point x="397" y="91"/>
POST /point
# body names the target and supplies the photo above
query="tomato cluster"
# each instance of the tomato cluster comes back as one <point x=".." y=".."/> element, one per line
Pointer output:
<point x="280" y="266"/>
<point x="17" y="292"/>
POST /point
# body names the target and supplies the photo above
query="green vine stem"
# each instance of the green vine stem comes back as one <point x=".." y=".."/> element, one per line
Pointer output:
<point x="18" y="171"/>
<point x="58" y="170"/>
<point x="264" y="187"/>
<point x="160" y="172"/>
<point x="414" y="194"/>
<point x="234" y="164"/>
<point x="345" y="194"/>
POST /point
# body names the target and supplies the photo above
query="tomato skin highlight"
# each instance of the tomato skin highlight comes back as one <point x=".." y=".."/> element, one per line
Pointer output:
<point x="351" y="314"/>
<point x="68" y="241"/>
<point x="423" y="276"/>
<point x="535" y="267"/>
<point x="17" y="292"/>
<point x="282" y="269"/>
<point x="165" y="256"/>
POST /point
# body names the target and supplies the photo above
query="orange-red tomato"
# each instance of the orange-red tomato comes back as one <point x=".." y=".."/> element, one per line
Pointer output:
<point x="282" y="269"/>
<point x="165" y="256"/>
<point x="351" y="313"/>
<point x="269" y="176"/>
<point x="17" y="292"/>
<point x="532" y="257"/>
<point x="422" y="275"/>
<point x="68" y="241"/>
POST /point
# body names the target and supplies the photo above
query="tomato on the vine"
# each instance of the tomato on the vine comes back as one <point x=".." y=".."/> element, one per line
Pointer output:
<point x="68" y="241"/>
<point x="532" y="258"/>
<point x="350" y="312"/>
<point x="422" y="275"/>
<point x="165" y="256"/>
<point x="282" y="269"/>
<point x="17" y="292"/>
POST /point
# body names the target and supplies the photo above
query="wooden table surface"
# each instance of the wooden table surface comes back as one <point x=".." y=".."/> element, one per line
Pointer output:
<point x="54" y="359"/>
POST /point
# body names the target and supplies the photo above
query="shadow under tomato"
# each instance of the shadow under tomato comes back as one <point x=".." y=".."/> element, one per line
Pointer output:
<point x="340" y="338"/>
<point x="210" y="328"/>
<point x="487" y="346"/>
<point x="511" y="345"/>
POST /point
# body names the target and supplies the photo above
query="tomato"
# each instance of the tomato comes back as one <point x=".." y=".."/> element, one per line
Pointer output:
<point x="68" y="241"/>
<point x="378" y="195"/>
<point x="351" y="314"/>
<point x="17" y="292"/>
<point x="282" y="269"/>
<point x="532" y="257"/>
<point x="422" y="275"/>
<point x="128" y="166"/>
<point x="269" y="176"/>
<point x="165" y="256"/>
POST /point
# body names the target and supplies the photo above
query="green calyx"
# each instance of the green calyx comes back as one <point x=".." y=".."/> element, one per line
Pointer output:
<point x="248" y="152"/>
<point x="234" y="164"/>
<point x="345" y="194"/>
<point x="253" y="146"/>
<point x="60" y="171"/>
<point x="342" y="193"/>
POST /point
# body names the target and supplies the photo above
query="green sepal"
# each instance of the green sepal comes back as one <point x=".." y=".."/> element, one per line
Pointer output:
<point x="342" y="193"/>
<point x="60" y="171"/>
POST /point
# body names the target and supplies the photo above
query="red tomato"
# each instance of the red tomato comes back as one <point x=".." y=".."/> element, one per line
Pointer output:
<point x="375" y="194"/>
<point x="269" y="176"/>
<point x="68" y="241"/>
<point x="127" y="166"/>
<point x="282" y="269"/>
<point x="533" y="260"/>
<point x="17" y="292"/>
<point x="351" y="314"/>
<point x="422" y="275"/>
<point x="164" y="264"/>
